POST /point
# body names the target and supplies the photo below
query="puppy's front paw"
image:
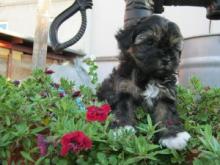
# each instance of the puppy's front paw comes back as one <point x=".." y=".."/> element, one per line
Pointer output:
<point x="178" y="143"/>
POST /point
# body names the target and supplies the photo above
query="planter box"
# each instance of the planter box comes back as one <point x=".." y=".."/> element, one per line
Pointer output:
<point x="201" y="58"/>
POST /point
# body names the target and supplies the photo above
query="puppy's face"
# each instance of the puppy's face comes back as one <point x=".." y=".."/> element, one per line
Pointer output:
<point x="155" y="45"/>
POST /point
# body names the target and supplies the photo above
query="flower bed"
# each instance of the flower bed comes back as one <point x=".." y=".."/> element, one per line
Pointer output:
<point x="46" y="123"/>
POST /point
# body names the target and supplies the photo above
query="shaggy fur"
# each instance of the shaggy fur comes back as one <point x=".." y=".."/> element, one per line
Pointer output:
<point x="146" y="75"/>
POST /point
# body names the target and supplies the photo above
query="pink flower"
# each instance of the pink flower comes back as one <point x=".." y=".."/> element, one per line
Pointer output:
<point x="75" y="141"/>
<point x="95" y="113"/>
<point x="42" y="144"/>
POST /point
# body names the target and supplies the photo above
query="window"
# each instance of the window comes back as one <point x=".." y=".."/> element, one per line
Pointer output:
<point x="3" y="25"/>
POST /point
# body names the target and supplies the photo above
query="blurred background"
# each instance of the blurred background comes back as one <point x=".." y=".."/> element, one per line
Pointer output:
<point x="18" y="18"/>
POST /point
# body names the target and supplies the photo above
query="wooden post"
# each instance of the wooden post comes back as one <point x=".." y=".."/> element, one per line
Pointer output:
<point x="41" y="35"/>
<point x="9" y="64"/>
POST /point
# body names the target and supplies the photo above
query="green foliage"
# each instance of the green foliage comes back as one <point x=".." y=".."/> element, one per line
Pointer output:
<point x="92" y="70"/>
<point x="199" y="105"/>
<point x="36" y="107"/>
<point x="210" y="149"/>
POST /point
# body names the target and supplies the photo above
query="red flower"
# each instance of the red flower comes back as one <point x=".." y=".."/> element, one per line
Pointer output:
<point x="48" y="71"/>
<point x="75" y="141"/>
<point x="94" y="100"/>
<point x="97" y="113"/>
<point x="61" y="94"/>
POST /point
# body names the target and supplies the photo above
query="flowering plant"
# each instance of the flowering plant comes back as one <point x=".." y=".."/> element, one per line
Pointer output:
<point x="95" y="113"/>
<point x="46" y="123"/>
<point x="42" y="144"/>
<point x="75" y="141"/>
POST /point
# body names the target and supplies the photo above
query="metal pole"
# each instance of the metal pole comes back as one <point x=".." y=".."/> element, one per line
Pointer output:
<point x="137" y="9"/>
<point x="41" y="35"/>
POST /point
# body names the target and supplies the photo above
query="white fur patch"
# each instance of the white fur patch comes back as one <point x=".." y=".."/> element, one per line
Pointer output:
<point x="150" y="93"/>
<point x="121" y="130"/>
<point x="178" y="143"/>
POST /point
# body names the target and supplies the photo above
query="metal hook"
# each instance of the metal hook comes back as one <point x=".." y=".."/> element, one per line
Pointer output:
<point x="78" y="5"/>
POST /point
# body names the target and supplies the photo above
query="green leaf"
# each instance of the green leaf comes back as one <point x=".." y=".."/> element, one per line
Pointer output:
<point x="203" y="116"/>
<point x="149" y="121"/>
<point x="8" y="122"/>
<point x="102" y="158"/>
<point x="6" y="140"/>
<point x="134" y="160"/>
<point x="27" y="156"/>
<point x="113" y="160"/>
<point x="39" y="161"/>
<point x="37" y="130"/>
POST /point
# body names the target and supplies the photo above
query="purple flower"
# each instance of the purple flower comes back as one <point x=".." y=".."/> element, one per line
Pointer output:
<point x="55" y="85"/>
<point x="48" y="71"/>
<point x="61" y="92"/>
<point x="16" y="82"/>
<point x="76" y="94"/>
<point x="42" y="144"/>
<point x="43" y="94"/>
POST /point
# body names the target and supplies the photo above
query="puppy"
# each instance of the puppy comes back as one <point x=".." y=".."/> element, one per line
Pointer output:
<point x="146" y="75"/>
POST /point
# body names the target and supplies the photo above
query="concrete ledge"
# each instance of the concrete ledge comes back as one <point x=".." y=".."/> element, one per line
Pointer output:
<point x="106" y="59"/>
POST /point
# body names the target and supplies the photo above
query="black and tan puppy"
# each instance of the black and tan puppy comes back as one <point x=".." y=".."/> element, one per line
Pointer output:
<point x="149" y="59"/>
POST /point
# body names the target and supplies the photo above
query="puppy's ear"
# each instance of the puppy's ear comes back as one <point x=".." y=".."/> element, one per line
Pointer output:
<point x="125" y="38"/>
<point x="175" y="36"/>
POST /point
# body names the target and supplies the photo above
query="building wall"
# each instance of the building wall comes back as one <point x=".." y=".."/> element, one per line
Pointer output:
<point x="104" y="21"/>
<point x="22" y="64"/>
